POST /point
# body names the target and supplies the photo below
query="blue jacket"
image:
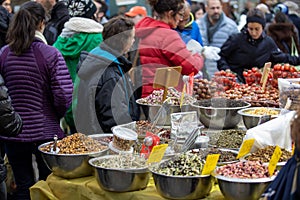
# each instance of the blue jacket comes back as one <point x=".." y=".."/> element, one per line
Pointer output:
<point x="191" y="32"/>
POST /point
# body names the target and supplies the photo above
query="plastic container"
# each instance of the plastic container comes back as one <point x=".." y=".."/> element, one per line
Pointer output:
<point x="123" y="138"/>
<point x="115" y="151"/>
<point x="201" y="142"/>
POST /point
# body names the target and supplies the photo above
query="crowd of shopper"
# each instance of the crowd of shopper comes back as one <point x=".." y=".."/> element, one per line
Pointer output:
<point x="68" y="60"/>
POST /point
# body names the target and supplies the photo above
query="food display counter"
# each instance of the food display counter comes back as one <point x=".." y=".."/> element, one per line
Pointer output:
<point x="56" y="188"/>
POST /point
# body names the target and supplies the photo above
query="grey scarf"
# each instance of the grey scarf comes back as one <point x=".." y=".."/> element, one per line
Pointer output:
<point x="211" y="29"/>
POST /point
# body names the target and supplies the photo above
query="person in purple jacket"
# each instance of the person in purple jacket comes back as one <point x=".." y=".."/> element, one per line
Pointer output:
<point x="40" y="87"/>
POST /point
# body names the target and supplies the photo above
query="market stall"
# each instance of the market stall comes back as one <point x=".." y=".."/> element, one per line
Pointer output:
<point x="190" y="142"/>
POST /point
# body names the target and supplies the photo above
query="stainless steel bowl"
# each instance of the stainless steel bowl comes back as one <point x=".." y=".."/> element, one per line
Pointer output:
<point x="219" y="113"/>
<point x="182" y="187"/>
<point x="69" y="165"/>
<point x="152" y="110"/>
<point x="120" y="180"/>
<point x="251" y="120"/>
<point x="245" y="189"/>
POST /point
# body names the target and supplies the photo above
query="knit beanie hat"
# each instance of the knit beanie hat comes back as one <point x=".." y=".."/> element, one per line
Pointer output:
<point x="81" y="8"/>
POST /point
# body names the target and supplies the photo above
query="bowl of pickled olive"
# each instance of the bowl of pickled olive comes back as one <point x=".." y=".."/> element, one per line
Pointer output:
<point x="71" y="159"/>
<point x="180" y="177"/>
<point x="257" y="115"/>
<point x="121" y="173"/>
<point x="245" y="180"/>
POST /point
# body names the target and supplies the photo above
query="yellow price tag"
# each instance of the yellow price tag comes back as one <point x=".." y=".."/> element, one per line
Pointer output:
<point x="182" y="95"/>
<point x="293" y="148"/>
<point x="210" y="163"/>
<point x="274" y="160"/>
<point x="246" y="147"/>
<point x="157" y="153"/>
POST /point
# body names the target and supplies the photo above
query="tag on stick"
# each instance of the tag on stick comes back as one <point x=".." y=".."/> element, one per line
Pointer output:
<point x="246" y="148"/>
<point x="210" y="163"/>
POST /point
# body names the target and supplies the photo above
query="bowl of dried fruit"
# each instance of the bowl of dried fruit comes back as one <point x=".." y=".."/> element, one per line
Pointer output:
<point x="180" y="177"/>
<point x="121" y="173"/>
<point x="70" y="158"/>
<point x="257" y="115"/>
<point x="245" y="180"/>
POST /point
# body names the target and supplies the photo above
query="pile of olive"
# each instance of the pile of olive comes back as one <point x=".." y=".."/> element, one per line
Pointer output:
<point x="184" y="165"/>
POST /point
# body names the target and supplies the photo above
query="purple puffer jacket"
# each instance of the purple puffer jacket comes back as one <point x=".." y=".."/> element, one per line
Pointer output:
<point x="40" y="87"/>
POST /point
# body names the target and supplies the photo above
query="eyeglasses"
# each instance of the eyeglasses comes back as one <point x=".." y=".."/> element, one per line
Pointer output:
<point x="181" y="14"/>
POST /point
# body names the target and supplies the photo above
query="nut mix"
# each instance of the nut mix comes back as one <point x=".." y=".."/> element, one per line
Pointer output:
<point x="123" y="138"/>
<point x="129" y="161"/>
<point x="262" y="111"/>
<point x="156" y="98"/>
<point x="186" y="164"/>
<point x="244" y="169"/>
<point x="225" y="155"/>
<point x="77" y="143"/>
<point x="204" y="89"/>
<point x="264" y="155"/>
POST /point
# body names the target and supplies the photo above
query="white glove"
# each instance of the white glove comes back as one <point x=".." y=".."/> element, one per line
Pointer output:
<point x="211" y="53"/>
<point x="185" y="78"/>
<point x="194" y="46"/>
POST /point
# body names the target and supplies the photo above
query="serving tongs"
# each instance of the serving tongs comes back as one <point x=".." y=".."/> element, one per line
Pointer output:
<point x="54" y="148"/>
<point x="162" y="113"/>
<point x="190" y="140"/>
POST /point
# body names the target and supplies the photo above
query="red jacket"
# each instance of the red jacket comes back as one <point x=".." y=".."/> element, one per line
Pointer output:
<point x="161" y="46"/>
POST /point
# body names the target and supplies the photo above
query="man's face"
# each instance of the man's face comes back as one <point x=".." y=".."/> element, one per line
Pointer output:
<point x="214" y="10"/>
<point x="185" y="20"/>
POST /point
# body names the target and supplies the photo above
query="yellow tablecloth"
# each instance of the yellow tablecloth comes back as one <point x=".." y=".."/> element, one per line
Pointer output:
<point x="56" y="188"/>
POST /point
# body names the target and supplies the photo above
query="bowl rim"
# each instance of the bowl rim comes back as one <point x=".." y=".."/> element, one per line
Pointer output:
<point x="183" y="177"/>
<point x="242" y="111"/>
<point x="70" y="155"/>
<point x="159" y="105"/>
<point x="224" y="149"/>
<point x="91" y="160"/>
<point x="242" y="180"/>
<point x="222" y="108"/>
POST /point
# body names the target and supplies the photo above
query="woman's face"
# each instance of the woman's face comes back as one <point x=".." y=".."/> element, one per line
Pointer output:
<point x="255" y="29"/>
<point x="175" y="18"/>
<point x="199" y="14"/>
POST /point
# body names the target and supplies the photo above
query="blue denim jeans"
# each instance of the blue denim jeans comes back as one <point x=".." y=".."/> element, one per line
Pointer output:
<point x="3" y="193"/>
<point x="20" y="158"/>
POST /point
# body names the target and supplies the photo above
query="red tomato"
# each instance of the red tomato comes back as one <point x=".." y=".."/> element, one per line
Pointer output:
<point x="286" y="67"/>
<point x="284" y="74"/>
<point x="277" y="67"/>
<point x="292" y="69"/>
<point x="245" y="73"/>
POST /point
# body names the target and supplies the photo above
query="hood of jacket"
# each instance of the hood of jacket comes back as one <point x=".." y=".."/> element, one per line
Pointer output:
<point x="147" y="25"/>
<point x="72" y="46"/>
<point x="99" y="59"/>
<point x="281" y="31"/>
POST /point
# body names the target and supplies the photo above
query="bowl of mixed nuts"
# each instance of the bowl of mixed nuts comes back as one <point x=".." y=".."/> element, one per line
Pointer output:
<point x="245" y="180"/>
<point x="70" y="159"/>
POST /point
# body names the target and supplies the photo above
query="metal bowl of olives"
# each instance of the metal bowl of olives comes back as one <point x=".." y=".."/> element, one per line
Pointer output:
<point x="114" y="176"/>
<point x="219" y="113"/>
<point x="185" y="184"/>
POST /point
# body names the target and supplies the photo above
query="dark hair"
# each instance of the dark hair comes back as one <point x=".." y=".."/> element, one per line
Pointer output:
<point x="281" y="18"/>
<point x="104" y="6"/>
<point x="24" y="23"/>
<point x="161" y="6"/>
<point x="196" y="7"/>
<point x="120" y="27"/>
<point x="256" y="15"/>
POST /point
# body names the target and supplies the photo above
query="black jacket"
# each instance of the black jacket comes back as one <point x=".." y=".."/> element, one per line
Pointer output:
<point x="105" y="93"/>
<point x="54" y="27"/>
<point x="10" y="121"/>
<point x="241" y="52"/>
<point x="5" y="18"/>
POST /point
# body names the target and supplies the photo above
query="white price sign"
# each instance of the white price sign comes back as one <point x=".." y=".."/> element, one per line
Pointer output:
<point x="125" y="2"/>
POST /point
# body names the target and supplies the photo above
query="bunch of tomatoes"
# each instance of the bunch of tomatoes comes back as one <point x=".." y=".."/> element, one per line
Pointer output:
<point x="225" y="78"/>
